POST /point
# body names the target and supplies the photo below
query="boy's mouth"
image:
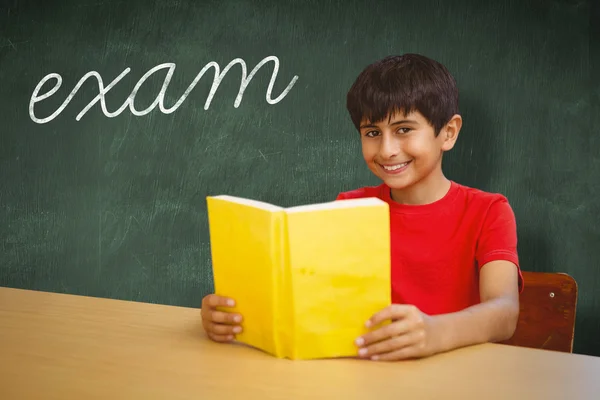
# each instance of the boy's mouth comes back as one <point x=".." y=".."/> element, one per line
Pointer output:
<point x="395" y="168"/>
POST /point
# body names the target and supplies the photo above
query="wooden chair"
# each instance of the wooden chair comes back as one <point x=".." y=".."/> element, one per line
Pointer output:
<point x="547" y="318"/>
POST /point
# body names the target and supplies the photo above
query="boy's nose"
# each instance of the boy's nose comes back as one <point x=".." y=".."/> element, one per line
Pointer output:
<point x="389" y="148"/>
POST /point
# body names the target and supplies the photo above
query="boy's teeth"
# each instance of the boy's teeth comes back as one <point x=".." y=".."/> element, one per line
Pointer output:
<point x="394" y="167"/>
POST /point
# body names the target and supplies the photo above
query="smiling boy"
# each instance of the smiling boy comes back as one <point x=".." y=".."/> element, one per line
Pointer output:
<point x="455" y="270"/>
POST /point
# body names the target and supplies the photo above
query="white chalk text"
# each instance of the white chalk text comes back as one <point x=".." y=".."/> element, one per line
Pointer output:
<point x="159" y="101"/>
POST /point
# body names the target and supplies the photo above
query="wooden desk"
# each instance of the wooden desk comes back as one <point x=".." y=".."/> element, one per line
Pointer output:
<point x="64" y="347"/>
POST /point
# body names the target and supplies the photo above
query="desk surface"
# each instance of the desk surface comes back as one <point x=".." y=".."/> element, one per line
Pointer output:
<point x="56" y="346"/>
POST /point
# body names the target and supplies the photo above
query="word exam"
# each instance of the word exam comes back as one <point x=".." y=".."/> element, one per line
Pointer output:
<point x="159" y="101"/>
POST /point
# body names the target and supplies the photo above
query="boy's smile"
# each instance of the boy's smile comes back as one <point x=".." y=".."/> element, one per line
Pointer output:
<point x="395" y="169"/>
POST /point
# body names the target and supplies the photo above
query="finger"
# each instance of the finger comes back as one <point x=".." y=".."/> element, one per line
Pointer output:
<point x="224" y="317"/>
<point x="397" y="328"/>
<point x="214" y="300"/>
<point x="220" y="338"/>
<point x="392" y="344"/>
<point x="393" y="312"/>
<point x="405" y="353"/>
<point x="222" y="329"/>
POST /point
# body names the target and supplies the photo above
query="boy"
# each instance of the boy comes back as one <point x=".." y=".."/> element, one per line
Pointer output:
<point x="455" y="270"/>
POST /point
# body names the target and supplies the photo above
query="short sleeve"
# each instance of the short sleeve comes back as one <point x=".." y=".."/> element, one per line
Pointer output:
<point x="498" y="237"/>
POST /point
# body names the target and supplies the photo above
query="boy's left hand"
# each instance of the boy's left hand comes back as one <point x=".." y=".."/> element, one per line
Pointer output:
<point x="409" y="335"/>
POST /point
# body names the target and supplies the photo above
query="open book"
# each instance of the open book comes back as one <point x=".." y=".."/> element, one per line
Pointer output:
<point x="305" y="278"/>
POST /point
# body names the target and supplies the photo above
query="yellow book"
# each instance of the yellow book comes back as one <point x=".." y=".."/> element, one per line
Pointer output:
<point x="305" y="278"/>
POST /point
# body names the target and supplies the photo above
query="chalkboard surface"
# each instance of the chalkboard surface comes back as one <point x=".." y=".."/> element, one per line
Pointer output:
<point x="113" y="128"/>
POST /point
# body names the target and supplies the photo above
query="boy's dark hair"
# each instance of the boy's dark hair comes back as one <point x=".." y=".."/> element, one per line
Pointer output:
<point x="406" y="83"/>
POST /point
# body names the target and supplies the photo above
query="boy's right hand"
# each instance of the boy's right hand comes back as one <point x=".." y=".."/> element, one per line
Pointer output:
<point x="220" y="326"/>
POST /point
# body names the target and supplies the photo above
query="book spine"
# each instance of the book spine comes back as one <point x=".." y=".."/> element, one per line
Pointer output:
<point x="283" y="321"/>
<point x="286" y="294"/>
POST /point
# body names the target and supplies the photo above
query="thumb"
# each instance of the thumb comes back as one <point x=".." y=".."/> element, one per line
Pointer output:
<point x="213" y="300"/>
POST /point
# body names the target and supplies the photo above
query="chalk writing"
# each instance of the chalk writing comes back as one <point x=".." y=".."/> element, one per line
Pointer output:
<point x="159" y="101"/>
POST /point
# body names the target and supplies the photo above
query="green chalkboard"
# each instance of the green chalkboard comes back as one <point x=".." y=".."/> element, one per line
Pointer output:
<point x="103" y="179"/>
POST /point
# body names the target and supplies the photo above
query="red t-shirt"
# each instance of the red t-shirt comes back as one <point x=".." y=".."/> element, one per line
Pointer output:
<point x="437" y="249"/>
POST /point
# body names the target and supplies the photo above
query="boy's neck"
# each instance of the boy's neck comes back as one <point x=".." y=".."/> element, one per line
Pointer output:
<point x="428" y="190"/>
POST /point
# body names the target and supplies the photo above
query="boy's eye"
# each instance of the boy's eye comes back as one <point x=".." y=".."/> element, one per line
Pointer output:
<point x="404" y="130"/>
<point x="371" y="133"/>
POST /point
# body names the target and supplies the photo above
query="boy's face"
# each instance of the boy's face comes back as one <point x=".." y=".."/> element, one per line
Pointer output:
<point x="402" y="149"/>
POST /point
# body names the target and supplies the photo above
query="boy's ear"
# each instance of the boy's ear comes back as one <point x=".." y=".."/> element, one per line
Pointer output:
<point x="450" y="132"/>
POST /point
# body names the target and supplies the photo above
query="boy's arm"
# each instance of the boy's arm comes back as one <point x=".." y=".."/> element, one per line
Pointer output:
<point x="493" y="320"/>
<point x="495" y="317"/>
<point x="415" y="334"/>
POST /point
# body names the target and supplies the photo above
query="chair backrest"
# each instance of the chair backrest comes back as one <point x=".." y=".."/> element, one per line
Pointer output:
<point x="547" y="318"/>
